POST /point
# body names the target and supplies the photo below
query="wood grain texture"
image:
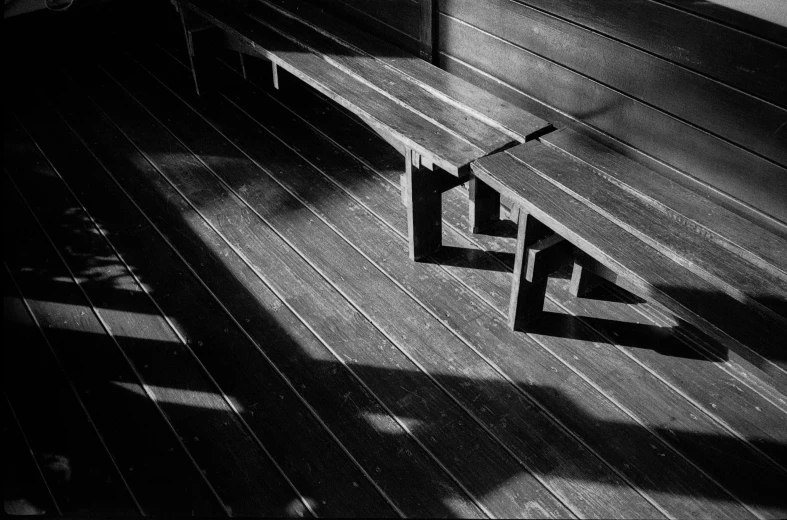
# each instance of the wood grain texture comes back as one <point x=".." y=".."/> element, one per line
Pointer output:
<point x="643" y="269"/>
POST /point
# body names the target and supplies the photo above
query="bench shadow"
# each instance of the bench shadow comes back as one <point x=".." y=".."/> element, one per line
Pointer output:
<point x="663" y="340"/>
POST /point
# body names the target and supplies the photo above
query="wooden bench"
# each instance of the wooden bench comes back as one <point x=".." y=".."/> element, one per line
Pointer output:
<point x="581" y="202"/>
<point x="438" y="121"/>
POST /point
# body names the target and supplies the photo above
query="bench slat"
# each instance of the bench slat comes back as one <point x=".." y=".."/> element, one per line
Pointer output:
<point x="399" y="87"/>
<point x="449" y="152"/>
<point x="728" y="229"/>
<point x="640" y="268"/>
<point x="734" y="275"/>
<point x="516" y="122"/>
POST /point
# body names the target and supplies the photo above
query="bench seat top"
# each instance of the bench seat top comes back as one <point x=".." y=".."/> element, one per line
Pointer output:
<point x="447" y="121"/>
<point x="543" y="181"/>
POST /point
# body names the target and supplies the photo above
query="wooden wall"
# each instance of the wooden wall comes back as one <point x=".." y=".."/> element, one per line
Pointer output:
<point x="394" y="20"/>
<point x="687" y="87"/>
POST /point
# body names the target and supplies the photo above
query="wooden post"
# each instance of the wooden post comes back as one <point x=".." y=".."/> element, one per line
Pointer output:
<point x="422" y="194"/>
<point x="484" y="205"/>
<point x="428" y="30"/>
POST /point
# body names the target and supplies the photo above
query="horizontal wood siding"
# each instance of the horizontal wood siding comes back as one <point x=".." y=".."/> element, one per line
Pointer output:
<point x="700" y="96"/>
<point x="394" y="20"/>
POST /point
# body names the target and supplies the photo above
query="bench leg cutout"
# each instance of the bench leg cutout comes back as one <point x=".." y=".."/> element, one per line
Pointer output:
<point x="539" y="253"/>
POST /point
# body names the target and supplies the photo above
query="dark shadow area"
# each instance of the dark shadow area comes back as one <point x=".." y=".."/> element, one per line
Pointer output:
<point x="472" y="258"/>
<point x="619" y="295"/>
<point x="346" y="395"/>
<point x="764" y="18"/>
<point x="502" y="228"/>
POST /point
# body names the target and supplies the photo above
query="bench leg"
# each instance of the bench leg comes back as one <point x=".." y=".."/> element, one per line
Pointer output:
<point x="484" y="205"/>
<point x="539" y="253"/>
<point x="422" y="194"/>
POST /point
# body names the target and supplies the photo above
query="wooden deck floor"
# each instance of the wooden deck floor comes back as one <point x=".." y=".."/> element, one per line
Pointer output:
<point x="208" y="308"/>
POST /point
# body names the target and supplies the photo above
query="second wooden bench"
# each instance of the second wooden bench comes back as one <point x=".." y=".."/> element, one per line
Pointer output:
<point x="582" y="203"/>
